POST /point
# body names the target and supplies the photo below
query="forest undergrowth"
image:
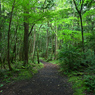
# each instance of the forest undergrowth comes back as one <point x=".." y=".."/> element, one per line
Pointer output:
<point x="19" y="72"/>
<point x="80" y="68"/>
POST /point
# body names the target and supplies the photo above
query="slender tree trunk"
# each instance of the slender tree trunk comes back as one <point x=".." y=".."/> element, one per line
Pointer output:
<point x="34" y="42"/>
<point x="10" y="68"/>
<point x="15" y="47"/>
<point x="47" y="43"/>
<point x="80" y="15"/>
<point x="52" y="43"/>
<point x="0" y="20"/>
<point x="47" y="40"/>
<point x="52" y="50"/>
<point x="14" y="50"/>
<point x="82" y="31"/>
<point x="38" y="55"/>
<point x="56" y="45"/>
<point x="31" y="44"/>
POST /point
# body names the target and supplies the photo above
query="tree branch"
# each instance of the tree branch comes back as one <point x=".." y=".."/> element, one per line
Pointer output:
<point x="81" y="5"/>
<point x="31" y="30"/>
<point x="76" y="6"/>
<point x="40" y="26"/>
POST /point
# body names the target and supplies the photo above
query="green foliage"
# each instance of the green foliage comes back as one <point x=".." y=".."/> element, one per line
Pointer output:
<point x="70" y="57"/>
<point x="77" y="64"/>
<point x="5" y="76"/>
<point x="91" y="41"/>
<point x="24" y="74"/>
<point x="90" y="83"/>
<point x="68" y="35"/>
<point x="89" y="58"/>
<point x="78" y="85"/>
<point x="73" y="59"/>
<point x="20" y="73"/>
<point x="28" y="71"/>
<point x="54" y="62"/>
<point x="89" y="13"/>
<point x="50" y="57"/>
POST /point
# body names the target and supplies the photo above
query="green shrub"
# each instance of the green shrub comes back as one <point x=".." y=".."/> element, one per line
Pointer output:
<point x="25" y="74"/>
<point x="78" y="85"/>
<point x="70" y="58"/>
<point x="89" y="58"/>
<point x="76" y="64"/>
<point x="90" y="83"/>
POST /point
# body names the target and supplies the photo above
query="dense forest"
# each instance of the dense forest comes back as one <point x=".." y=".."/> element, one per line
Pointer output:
<point x="60" y="31"/>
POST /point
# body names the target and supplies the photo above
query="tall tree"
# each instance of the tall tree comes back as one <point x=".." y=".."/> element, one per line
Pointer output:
<point x="10" y="68"/>
<point x="0" y="17"/>
<point x="34" y="44"/>
<point x="47" y="40"/>
<point x="0" y="21"/>
<point x="56" y="45"/>
<point x="79" y="11"/>
<point x="26" y="32"/>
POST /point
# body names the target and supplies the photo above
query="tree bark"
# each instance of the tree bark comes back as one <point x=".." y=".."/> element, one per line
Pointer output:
<point x="34" y="42"/>
<point x="26" y="31"/>
<point x="38" y="55"/>
<point x="0" y="19"/>
<point x="56" y="45"/>
<point x="82" y="31"/>
<point x="10" y="68"/>
<point x="47" y="42"/>
<point x="14" y="50"/>
<point x="31" y="30"/>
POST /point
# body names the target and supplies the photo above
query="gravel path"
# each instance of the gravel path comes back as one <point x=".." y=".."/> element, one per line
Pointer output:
<point x="46" y="82"/>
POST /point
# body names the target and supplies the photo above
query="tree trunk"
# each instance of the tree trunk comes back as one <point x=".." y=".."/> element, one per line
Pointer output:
<point x="10" y="68"/>
<point x="34" y="41"/>
<point x="0" y="20"/>
<point x="82" y="31"/>
<point x="47" y="45"/>
<point x="15" y="43"/>
<point x="31" y="44"/>
<point x="47" y="41"/>
<point x="52" y="50"/>
<point x="80" y="15"/>
<point x="14" y="50"/>
<point x="26" y="31"/>
<point x="38" y="55"/>
<point x="56" y="45"/>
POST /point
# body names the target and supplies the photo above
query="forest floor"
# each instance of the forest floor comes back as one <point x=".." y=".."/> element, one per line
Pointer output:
<point x="46" y="82"/>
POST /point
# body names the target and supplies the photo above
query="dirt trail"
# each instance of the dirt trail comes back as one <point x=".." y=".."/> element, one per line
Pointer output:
<point x="46" y="82"/>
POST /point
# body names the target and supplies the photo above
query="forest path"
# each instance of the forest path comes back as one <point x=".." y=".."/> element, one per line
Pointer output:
<point x="46" y="82"/>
